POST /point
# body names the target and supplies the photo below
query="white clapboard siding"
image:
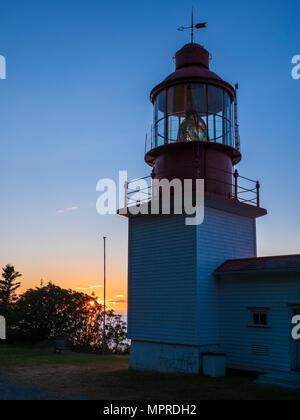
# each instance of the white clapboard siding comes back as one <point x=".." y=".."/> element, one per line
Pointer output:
<point x="258" y="349"/>
<point x="172" y="295"/>
<point x="222" y="236"/>
<point x="162" y="279"/>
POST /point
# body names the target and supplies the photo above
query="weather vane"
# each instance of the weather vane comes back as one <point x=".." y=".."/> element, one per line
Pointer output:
<point x="193" y="27"/>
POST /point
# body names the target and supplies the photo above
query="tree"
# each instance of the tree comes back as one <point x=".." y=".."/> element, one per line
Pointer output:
<point x="8" y="287"/>
<point x="116" y="333"/>
<point x="49" y="311"/>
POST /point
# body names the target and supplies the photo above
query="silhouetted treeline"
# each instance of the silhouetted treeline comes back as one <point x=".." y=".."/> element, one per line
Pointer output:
<point x="44" y="313"/>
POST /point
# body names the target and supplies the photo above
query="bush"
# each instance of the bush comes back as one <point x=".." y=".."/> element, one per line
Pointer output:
<point x="49" y="311"/>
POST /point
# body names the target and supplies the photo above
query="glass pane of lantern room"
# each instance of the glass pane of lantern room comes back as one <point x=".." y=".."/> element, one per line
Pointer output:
<point x="176" y="99"/>
<point x="219" y="128"/>
<point x="173" y="127"/>
<point x="196" y="98"/>
<point x="227" y="125"/>
<point x="227" y="119"/>
<point x="160" y="133"/>
<point x="227" y="107"/>
<point x="211" y="128"/>
<point x="161" y="105"/>
<point x="215" y="100"/>
<point x="176" y="108"/>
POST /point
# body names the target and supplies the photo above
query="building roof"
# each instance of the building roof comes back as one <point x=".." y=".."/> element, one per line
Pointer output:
<point x="262" y="264"/>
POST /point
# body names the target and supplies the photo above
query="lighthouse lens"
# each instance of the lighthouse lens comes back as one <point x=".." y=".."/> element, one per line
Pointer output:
<point x="193" y="128"/>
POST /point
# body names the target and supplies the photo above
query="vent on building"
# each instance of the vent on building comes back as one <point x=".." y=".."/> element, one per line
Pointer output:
<point x="260" y="350"/>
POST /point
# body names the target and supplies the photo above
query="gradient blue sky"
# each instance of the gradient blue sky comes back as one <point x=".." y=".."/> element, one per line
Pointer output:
<point x="75" y="108"/>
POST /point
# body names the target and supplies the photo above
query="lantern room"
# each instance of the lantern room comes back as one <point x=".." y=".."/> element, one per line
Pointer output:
<point x="193" y="112"/>
<point x="193" y="103"/>
<point x="195" y="132"/>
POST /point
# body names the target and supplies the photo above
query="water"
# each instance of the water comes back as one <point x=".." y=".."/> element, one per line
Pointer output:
<point x="123" y="314"/>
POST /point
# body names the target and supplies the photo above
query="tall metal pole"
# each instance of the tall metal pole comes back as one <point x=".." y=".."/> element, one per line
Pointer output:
<point x="104" y="306"/>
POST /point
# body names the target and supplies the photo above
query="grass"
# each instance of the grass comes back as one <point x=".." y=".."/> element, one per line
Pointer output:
<point x="11" y="356"/>
<point x="108" y="377"/>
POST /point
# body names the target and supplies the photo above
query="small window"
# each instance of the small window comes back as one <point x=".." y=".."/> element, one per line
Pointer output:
<point x="259" y="317"/>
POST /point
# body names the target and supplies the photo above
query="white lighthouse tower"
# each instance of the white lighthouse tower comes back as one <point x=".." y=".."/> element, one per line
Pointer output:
<point x="173" y="297"/>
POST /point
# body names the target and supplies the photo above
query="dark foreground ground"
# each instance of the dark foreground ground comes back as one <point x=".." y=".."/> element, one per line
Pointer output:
<point x="27" y="373"/>
<point x="10" y="390"/>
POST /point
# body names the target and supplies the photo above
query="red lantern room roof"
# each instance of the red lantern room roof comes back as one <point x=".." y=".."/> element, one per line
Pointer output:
<point x="192" y="65"/>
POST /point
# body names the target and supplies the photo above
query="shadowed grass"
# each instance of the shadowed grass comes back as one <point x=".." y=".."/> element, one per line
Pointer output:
<point x="108" y="377"/>
<point x="28" y="356"/>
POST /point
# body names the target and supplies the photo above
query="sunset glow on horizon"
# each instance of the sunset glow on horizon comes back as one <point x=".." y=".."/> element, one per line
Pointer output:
<point x="116" y="289"/>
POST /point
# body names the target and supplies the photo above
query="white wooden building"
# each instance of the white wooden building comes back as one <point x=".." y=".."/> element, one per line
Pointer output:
<point x="194" y="289"/>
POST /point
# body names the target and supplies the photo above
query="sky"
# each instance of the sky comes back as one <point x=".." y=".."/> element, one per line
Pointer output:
<point x="75" y="108"/>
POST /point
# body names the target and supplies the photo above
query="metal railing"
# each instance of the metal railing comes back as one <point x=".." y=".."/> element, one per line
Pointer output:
<point x="243" y="189"/>
<point x="136" y="195"/>
<point x="249" y="193"/>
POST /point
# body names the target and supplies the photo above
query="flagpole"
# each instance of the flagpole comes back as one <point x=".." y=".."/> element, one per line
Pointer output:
<point x="104" y="300"/>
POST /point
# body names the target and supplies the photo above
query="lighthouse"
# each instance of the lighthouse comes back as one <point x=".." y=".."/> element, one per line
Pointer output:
<point x="173" y="296"/>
